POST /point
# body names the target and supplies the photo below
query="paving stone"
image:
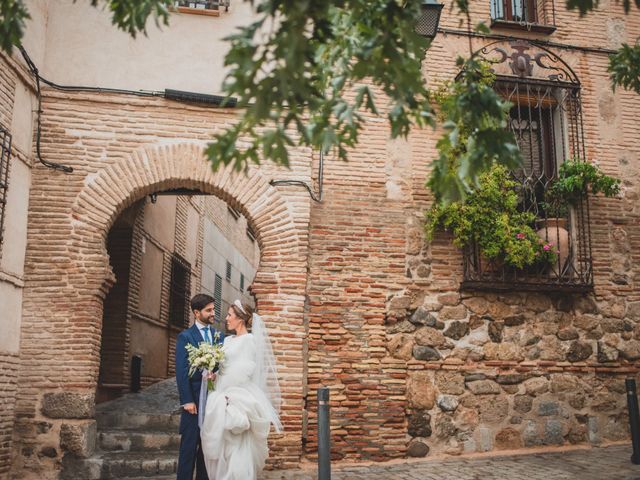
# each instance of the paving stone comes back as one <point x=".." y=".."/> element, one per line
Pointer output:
<point x="611" y="463"/>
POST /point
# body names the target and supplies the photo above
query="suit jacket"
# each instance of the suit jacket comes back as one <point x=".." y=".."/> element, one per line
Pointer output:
<point x="189" y="387"/>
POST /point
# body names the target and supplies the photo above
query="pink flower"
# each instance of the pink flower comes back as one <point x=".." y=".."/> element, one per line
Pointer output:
<point x="546" y="247"/>
<point x="520" y="236"/>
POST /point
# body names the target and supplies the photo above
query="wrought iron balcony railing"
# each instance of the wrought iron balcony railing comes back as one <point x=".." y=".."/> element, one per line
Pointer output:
<point x="546" y="120"/>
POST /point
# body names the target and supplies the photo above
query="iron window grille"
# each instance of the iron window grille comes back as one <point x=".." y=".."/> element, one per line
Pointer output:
<point x="534" y="15"/>
<point x="546" y="119"/>
<point x="180" y="291"/>
<point x="5" y="155"/>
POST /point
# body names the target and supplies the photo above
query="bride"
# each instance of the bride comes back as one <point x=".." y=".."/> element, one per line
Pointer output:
<point x="246" y="400"/>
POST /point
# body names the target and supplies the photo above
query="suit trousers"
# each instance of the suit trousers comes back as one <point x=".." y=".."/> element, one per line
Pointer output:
<point x="191" y="456"/>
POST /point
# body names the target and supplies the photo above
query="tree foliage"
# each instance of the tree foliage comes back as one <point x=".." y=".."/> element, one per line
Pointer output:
<point x="309" y="72"/>
<point x="315" y="73"/>
<point x="476" y="136"/>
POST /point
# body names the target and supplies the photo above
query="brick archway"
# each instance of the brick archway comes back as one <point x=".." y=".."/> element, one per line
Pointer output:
<point x="80" y="258"/>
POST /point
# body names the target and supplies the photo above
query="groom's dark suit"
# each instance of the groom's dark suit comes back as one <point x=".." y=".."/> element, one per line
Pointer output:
<point x="189" y="389"/>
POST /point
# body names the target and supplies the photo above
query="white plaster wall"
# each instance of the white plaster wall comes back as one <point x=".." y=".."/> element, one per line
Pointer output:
<point x="84" y="48"/>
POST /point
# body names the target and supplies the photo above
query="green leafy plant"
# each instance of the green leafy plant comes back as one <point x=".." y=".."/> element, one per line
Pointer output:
<point x="474" y="117"/>
<point x="575" y="179"/>
<point x="490" y="217"/>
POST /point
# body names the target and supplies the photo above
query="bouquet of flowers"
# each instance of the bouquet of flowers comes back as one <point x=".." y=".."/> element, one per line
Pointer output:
<point x="206" y="357"/>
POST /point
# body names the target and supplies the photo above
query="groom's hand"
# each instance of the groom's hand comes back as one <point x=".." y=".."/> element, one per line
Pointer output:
<point x="190" y="408"/>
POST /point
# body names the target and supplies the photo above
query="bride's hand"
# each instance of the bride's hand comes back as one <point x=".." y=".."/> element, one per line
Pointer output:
<point x="211" y="376"/>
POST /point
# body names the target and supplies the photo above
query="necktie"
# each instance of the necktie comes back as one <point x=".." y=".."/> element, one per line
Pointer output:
<point x="207" y="337"/>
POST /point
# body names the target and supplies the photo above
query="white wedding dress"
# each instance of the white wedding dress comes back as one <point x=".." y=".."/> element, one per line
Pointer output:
<point x="237" y="415"/>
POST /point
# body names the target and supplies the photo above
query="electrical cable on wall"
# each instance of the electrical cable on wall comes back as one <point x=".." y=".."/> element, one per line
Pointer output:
<point x="36" y="74"/>
<point x="315" y="197"/>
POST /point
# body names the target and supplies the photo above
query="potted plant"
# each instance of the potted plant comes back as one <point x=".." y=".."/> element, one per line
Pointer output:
<point x="575" y="180"/>
<point x="490" y="218"/>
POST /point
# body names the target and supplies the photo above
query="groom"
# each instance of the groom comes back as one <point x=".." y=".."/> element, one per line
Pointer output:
<point x="202" y="330"/>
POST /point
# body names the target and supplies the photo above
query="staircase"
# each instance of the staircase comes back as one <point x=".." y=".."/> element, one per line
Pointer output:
<point x="137" y="438"/>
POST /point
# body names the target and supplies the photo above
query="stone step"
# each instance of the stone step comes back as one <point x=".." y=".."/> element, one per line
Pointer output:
<point x="137" y="421"/>
<point x="120" y="465"/>
<point x="138" y="441"/>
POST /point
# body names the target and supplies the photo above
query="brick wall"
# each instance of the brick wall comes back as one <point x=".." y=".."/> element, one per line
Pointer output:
<point x="8" y="378"/>
<point x="120" y="154"/>
<point x="13" y="82"/>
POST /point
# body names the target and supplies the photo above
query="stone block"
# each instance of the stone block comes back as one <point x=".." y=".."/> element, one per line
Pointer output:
<point x="484" y="387"/>
<point x="401" y="346"/>
<point x="450" y="382"/>
<point x="630" y="350"/>
<point x="536" y="386"/>
<point x="419" y="424"/>
<point x="580" y="351"/>
<point x="418" y="449"/>
<point x="553" y="432"/>
<point x="68" y="405"/>
<point x="567" y="334"/>
<point x="522" y="403"/>
<point x="485" y="439"/>
<point x="514" y="320"/>
<point x="430" y="337"/>
<point x="508" y="439"/>
<point x="79" y="438"/>
<point x="447" y="403"/>
<point x="607" y="353"/>
<point x="426" y="353"/>
<point x="457" y="330"/>
<point x="493" y="409"/>
<point x="548" y="408"/>
<point x="423" y="317"/>
<point x="421" y="392"/>
<point x="453" y="313"/>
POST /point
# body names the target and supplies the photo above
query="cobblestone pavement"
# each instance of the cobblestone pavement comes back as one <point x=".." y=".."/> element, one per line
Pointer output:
<point x="606" y="463"/>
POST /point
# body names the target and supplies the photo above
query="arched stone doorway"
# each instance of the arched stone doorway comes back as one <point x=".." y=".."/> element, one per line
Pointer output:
<point x="58" y="393"/>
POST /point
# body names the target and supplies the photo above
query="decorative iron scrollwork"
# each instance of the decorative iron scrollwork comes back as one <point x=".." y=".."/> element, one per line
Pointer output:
<point x="527" y="60"/>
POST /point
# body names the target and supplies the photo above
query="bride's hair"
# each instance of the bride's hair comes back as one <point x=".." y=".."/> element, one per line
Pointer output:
<point x="245" y="313"/>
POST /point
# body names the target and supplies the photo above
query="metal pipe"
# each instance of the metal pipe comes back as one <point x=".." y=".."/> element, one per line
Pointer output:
<point x="324" y="435"/>
<point x="634" y="419"/>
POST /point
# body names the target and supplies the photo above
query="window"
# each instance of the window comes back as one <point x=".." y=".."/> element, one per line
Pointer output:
<point x="546" y="120"/>
<point x="535" y="15"/>
<point x="234" y="213"/>
<point x="241" y="283"/>
<point x="5" y="154"/>
<point x="180" y="291"/>
<point x="217" y="297"/>
<point x="228" y="274"/>
<point x="202" y="7"/>
<point x="251" y="234"/>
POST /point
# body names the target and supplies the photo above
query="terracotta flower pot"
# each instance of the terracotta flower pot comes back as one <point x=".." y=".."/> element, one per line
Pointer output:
<point x="554" y="231"/>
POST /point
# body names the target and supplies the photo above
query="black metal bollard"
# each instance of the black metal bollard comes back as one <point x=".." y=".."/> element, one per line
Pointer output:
<point x="324" y="435"/>
<point x="634" y="419"/>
